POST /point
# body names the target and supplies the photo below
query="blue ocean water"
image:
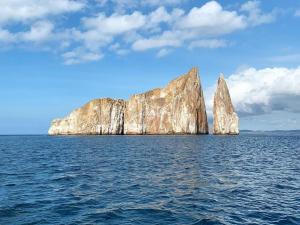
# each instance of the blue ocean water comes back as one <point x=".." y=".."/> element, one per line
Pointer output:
<point x="246" y="179"/>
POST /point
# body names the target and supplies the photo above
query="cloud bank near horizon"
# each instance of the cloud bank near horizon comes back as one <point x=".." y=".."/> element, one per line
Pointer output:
<point x="262" y="91"/>
<point x="132" y="26"/>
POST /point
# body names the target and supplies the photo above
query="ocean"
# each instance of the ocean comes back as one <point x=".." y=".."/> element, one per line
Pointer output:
<point x="253" y="178"/>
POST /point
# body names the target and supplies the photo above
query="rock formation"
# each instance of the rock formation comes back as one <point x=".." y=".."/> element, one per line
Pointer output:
<point x="100" y="116"/>
<point x="226" y="120"/>
<point x="178" y="108"/>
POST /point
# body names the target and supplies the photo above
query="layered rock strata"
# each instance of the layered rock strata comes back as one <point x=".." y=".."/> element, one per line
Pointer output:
<point x="226" y="120"/>
<point x="179" y="108"/>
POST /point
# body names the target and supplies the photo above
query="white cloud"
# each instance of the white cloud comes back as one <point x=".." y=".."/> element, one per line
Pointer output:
<point x="6" y="36"/>
<point x="80" y="55"/>
<point x="209" y="20"/>
<point x="160" y="15"/>
<point x="208" y="43"/>
<point x="160" y="29"/>
<point x="202" y="25"/>
<point x="31" y="18"/>
<point x="102" y="30"/>
<point x="99" y="32"/>
<point x="90" y="39"/>
<point x="115" y="24"/>
<point x="117" y="48"/>
<point x="212" y="19"/>
<point x="167" y="39"/>
<point x="24" y="10"/>
<point x="163" y="52"/>
<point x="256" y="16"/>
<point x="39" y="31"/>
<point x="262" y="91"/>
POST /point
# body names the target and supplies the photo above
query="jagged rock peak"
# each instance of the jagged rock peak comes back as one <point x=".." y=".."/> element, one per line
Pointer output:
<point x="178" y="108"/>
<point x="226" y="120"/>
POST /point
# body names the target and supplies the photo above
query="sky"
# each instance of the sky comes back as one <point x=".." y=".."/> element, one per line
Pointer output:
<point x="56" y="55"/>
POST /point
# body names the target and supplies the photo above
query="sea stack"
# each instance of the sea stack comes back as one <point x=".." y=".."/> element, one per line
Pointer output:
<point x="226" y="121"/>
<point x="178" y="108"/>
<point x="99" y="116"/>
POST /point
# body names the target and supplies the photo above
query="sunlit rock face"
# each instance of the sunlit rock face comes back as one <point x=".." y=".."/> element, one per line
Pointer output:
<point x="226" y="120"/>
<point x="100" y="116"/>
<point x="178" y="108"/>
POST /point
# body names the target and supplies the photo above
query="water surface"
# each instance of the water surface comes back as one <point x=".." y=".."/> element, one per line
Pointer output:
<point x="246" y="179"/>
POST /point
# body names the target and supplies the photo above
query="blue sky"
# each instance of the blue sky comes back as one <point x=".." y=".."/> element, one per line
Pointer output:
<point x="57" y="55"/>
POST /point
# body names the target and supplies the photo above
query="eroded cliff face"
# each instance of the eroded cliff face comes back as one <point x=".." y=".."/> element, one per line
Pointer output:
<point x="178" y="108"/>
<point x="226" y="120"/>
<point x="99" y="116"/>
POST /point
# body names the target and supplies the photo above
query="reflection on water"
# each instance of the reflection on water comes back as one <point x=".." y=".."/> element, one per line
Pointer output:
<point x="246" y="179"/>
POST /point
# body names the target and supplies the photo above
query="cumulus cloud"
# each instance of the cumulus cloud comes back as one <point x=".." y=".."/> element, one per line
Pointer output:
<point x="263" y="91"/>
<point x="167" y="39"/>
<point x="117" y="48"/>
<point x="208" y="21"/>
<point x="255" y="14"/>
<point x="39" y="31"/>
<point x="212" y="19"/>
<point x="80" y="55"/>
<point x="99" y="32"/>
<point x="161" y="15"/>
<point x="31" y="19"/>
<point x="6" y="36"/>
<point x="162" y="29"/>
<point x="24" y="10"/>
<point x="115" y="24"/>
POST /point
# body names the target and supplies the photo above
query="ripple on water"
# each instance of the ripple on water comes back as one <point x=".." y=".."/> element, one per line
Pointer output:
<point x="246" y="179"/>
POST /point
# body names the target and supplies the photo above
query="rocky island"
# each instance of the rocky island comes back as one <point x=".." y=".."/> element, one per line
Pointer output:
<point x="99" y="116"/>
<point x="178" y="108"/>
<point x="226" y="120"/>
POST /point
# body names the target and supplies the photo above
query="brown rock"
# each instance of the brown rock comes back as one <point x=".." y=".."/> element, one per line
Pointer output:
<point x="178" y="108"/>
<point x="100" y="116"/>
<point x="226" y="120"/>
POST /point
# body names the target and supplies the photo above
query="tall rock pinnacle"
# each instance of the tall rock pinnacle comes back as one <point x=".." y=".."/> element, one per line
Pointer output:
<point x="226" y="120"/>
<point x="178" y="108"/>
